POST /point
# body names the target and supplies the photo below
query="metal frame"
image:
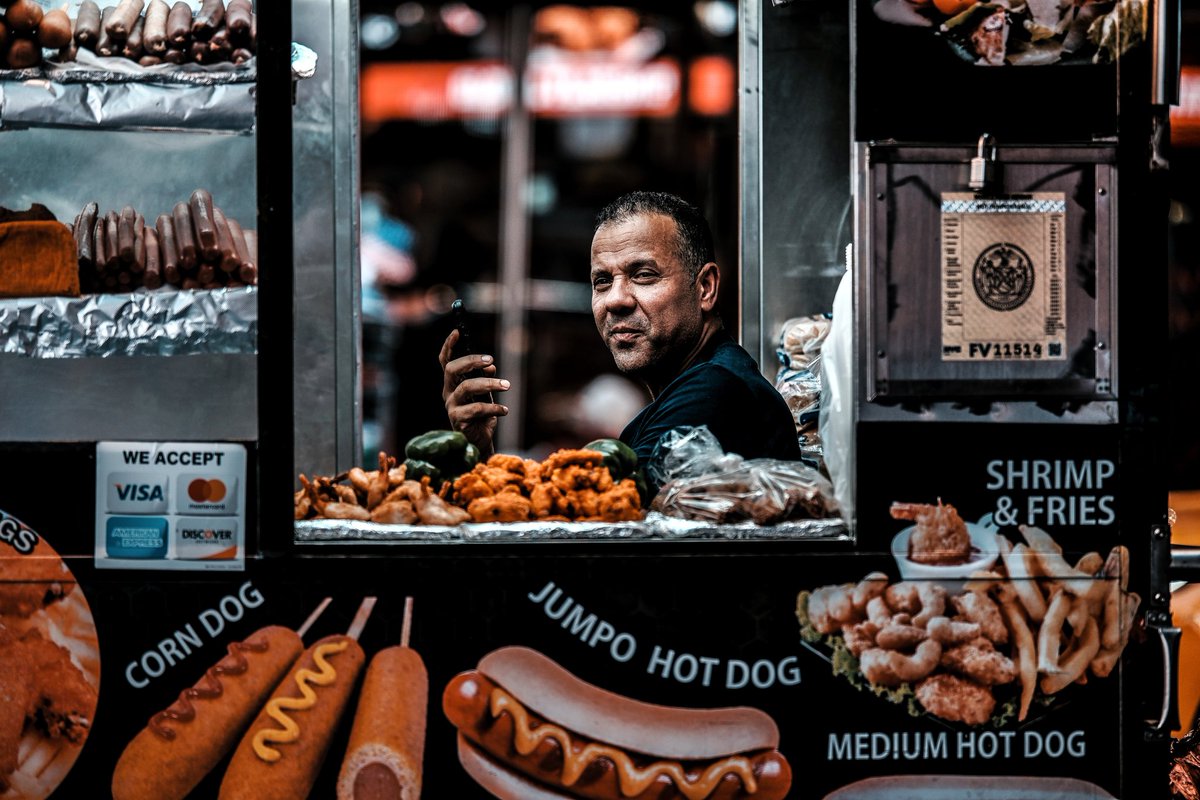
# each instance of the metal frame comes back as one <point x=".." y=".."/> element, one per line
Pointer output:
<point x="871" y="284"/>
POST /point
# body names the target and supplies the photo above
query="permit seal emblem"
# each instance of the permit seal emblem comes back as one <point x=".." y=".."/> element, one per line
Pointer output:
<point x="1003" y="276"/>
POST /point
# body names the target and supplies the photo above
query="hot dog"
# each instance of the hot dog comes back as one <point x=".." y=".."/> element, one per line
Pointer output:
<point x="155" y="30"/>
<point x="179" y="24"/>
<point x="139" y="245"/>
<point x="169" y="248"/>
<point x="387" y="743"/>
<point x="124" y="17"/>
<point x="281" y="753"/>
<point x="125" y="233"/>
<point x="201" y="206"/>
<point x="184" y="237"/>
<point x="152" y="278"/>
<point x="183" y="742"/>
<point x="210" y="17"/>
<point x="229" y="260"/>
<point x="87" y="24"/>
<point x="519" y="712"/>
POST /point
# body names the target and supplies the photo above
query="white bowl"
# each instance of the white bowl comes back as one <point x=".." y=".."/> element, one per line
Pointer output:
<point x="952" y="577"/>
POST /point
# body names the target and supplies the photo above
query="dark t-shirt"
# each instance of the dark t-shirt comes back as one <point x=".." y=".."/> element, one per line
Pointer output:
<point x="724" y="390"/>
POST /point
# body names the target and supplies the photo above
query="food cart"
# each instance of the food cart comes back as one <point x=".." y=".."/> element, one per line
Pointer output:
<point x="827" y="656"/>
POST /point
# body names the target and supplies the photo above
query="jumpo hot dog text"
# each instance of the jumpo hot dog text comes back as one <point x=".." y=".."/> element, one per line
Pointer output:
<point x="665" y="662"/>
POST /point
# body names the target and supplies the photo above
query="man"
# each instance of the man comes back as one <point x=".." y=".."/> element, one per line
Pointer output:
<point x="654" y="298"/>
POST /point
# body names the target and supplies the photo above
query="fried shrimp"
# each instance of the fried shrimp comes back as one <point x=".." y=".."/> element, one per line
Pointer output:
<point x="922" y="599"/>
<point x="940" y="535"/>
<point x="977" y="607"/>
<point x="860" y="637"/>
<point x="900" y="637"/>
<point x="980" y="662"/>
<point x="873" y="585"/>
<point x="952" y="631"/>
<point x="830" y="608"/>
<point x="956" y="699"/>
<point x="892" y="668"/>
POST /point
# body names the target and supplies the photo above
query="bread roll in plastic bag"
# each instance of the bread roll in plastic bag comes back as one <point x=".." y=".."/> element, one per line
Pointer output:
<point x="701" y="482"/>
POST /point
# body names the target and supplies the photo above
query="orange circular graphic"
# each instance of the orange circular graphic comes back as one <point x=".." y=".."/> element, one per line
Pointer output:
<point x="44" y="620"/>
<point x="206" y="491"/>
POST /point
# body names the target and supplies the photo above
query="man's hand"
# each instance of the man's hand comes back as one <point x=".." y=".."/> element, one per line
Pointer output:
<point x="468" y="405"/>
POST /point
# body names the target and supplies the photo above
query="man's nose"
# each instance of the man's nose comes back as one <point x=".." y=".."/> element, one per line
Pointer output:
<point x="619" y="298"/>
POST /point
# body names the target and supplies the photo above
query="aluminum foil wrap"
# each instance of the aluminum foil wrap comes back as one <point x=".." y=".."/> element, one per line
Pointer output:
<point x="97" y="92"/>
<point x="655" y="527"/>
<point x="124" y="106"/>
<point x="139" y="323"/>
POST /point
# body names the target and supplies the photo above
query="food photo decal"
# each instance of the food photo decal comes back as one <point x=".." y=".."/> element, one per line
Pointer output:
<point x="528" y="729"/>
<point x="49" y="666"/>
<point x="1025" y="32"/>
<point x="979" y="628"/>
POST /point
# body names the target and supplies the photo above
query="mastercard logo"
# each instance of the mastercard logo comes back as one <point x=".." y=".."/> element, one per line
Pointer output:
<point x="206" y="491"/>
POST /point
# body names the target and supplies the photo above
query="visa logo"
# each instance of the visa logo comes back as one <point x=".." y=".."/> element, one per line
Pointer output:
<point x="140" y="492"/>
<point x="137" y="493"/>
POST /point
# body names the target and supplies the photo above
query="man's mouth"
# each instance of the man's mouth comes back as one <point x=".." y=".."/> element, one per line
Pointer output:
<point x="623" y="335"/>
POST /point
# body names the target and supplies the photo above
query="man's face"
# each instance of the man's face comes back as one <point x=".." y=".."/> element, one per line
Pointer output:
<point x="646" y="308"/>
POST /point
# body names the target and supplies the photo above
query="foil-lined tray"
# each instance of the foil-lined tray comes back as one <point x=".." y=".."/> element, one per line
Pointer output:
<point x="116" y="93"/>
<point x="138" y="323"/>
<point x="655" y="527"/>
<point x="127" y="106"/>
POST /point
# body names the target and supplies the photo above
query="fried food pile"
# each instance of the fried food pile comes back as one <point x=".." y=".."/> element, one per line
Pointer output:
<point x="381" y="495"/>
<point x="569" y="486"/>
<point x="940" y="536"/>
<point x="1185" y="767"/>
<point x="48" y="700"/>
<point x="1037" y="624"/>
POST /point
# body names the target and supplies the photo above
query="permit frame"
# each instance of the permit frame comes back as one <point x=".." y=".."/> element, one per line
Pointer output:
<point x="907" y="194"/>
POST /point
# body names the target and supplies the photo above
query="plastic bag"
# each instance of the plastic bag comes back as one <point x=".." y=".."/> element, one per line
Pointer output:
<point x="701" y="482"/>
<point x="798" y="380"/>
<point x="837" y="398"/>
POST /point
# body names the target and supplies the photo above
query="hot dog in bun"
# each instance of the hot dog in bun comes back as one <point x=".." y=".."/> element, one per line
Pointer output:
<point x="528" y="728"/>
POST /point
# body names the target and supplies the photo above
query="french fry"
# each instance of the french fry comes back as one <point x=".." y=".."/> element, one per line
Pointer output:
<point x="1112" y="615"/>
<point x="1026" y="652"/>
<point x="1049" y="562"/>
<point x="1104" y="662"/>
<point x="1039" y="540"/>
<point x="1049" y="639"/>
<point x="1016" y="561"/>
<point x="1117" y="565"/>
<point x="1075" y="661"/>
<point x="1090" y="563"/>
<point x="983" y="580"/>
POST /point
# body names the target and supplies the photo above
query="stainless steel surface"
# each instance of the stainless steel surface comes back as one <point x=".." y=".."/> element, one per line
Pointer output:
<point x="899" y="277"/>
<point x="795" y="165"/>
<point x="141" y="323"/>
<point x="328" y="405"/>
<point x="203" y="398"/>
<point x="750" y="162"/>
<point x="655" y="527"/>
<point x="1165" y="53"/>
<point x="515" y="167"/>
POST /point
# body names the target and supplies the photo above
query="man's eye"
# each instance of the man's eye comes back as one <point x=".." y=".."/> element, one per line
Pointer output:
<point x="645" y="275"/>
<point x="600" y="281"/>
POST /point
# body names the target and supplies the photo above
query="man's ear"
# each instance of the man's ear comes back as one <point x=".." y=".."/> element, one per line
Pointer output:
<point x="708" y="283"/>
